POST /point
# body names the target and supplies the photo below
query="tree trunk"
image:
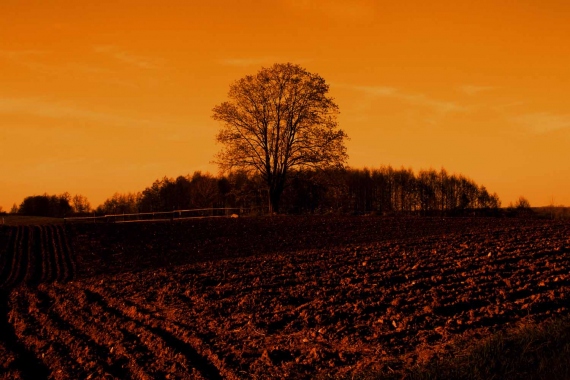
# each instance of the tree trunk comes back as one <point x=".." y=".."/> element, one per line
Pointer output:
<point x="274" y="198"/>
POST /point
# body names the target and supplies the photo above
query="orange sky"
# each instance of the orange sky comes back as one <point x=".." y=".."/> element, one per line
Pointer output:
<point x="105" y="96"/>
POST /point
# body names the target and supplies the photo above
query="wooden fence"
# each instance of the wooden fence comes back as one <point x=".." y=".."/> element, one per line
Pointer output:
<point x="163" y="216"/>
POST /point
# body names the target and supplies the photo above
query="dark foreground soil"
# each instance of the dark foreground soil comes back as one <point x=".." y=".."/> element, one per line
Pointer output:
<point x="284" y="297"/>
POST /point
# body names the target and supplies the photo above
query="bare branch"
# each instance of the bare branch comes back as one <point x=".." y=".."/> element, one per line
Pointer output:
<point x="276" y="120"/>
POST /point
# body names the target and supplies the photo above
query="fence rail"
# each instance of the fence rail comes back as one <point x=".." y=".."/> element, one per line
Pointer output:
<point x="199" y="213"/>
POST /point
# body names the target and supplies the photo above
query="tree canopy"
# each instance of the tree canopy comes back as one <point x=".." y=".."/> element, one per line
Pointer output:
<point x="276" y="120"/>
<point x="46" y="205"/>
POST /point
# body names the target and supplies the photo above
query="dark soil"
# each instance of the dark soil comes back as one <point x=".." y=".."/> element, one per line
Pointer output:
<point x="281" y="297"/>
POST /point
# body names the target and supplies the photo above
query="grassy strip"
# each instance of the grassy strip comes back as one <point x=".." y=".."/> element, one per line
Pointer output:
<point x="531" y="352"/>
<point x="534" y="352"/>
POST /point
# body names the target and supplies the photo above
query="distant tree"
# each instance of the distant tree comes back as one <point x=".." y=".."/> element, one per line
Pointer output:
<point x="520" y="208"/>
<point x="427" y="184"/>
<point x="204" y="190"/>
<point x="387" y="190"/>
<point x="382" y="191"/>
<point x="196" y="191"/>
<point x="279" y="119"/>
<point x="224" y="190"/>
<point x="14" y="209"/>
<point x="80" y="204"/>
<point x="64" y="208"/>
<point x="305" y="194"/>
<point x="46" y="205"/>
<point x="522" y="203"/>
<point x="168" y="195"/>
<point x="245" y="190"/>
<point x="182" y="187"/>
<point x="120" y="204"/>
<point x="151" y="198"/>
<point x="495" y="202"/>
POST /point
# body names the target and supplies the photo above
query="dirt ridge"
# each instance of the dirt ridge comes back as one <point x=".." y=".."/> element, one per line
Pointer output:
<point x="36" y="254"/>
<point x="330" y="309"/>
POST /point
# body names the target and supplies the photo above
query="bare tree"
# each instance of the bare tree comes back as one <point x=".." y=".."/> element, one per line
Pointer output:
<point x="80" y="204"/>
<point x="203" y="190"/>
<point x="276" y="120"/>
<point x="120" y="204"/>
<point x="522" y="203"/>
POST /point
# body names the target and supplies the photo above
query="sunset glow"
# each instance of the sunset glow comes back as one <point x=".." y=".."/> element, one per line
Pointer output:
<point x="107" y="96"/>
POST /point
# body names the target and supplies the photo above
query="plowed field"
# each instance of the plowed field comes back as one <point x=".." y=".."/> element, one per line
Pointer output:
<point x="36" y="254"/>
<point x="268" y="298"/>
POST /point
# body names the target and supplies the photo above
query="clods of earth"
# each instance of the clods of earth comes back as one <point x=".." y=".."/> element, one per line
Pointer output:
<point x="276" y="297"/>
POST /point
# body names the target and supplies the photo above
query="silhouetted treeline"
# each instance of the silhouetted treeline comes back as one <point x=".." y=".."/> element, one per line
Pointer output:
<point x="57" y="206"/>
<point x="382" y="191"/>
<point x="387" y="191"/>
<point x="120" y="204"/>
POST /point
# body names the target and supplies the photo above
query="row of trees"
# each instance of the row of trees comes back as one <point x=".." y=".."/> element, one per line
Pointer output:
<point x="282" y="150"/>
<point x="387" y="190"/>
<point x="279" y="127"/>
<point x="347" y="191"/>
<point x="57" y="206"/>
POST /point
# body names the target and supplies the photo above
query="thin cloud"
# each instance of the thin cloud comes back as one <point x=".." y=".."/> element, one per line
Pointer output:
<point x="246" y="62"/>
<point x="415" y="99"/>
<point x="474" y="90"/>
<point x="18" y="55"/>
<point x="126" y="57"/>
<point x="501" y="107"/>
<point x="66" y="68"/>
<point x="26" y="58"/>
<point x="438" y="105"/>
<point x="30" y="59"/>
<point x="376" y="90"/>
<point x="258" y="61"/>
<point x="544" y="122"/>
<point x="41" y="108"/>
<point x="50" y="164"/>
